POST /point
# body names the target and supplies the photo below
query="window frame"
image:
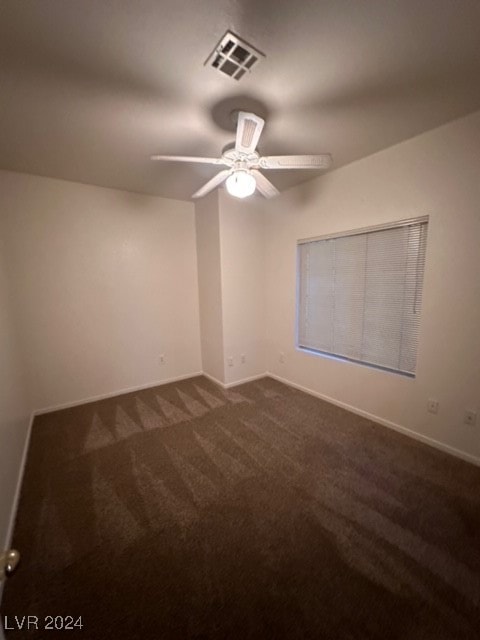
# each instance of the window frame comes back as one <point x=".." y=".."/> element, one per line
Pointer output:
<point x="341" y="234"/>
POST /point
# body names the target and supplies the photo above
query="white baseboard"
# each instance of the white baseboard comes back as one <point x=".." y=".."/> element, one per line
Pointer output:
<point x="236" y="383"/>
<point x="113" y="394"/>
<point x="18" y="487"/>
<point x="259" y="376"/>
<point x="458" y="453"/>
<point x="370" y="416"/>
<point x="148" y="385"/>
<point x="214" y="380"/>
<point x="16" y="500"/>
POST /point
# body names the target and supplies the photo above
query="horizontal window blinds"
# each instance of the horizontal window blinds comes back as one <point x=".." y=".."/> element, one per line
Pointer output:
<point x="360" y="295"/>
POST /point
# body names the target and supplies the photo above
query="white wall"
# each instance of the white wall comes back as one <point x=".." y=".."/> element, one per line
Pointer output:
<point x="14" y="407"/>
<point x="207" y="223"/>
<point x="242" y="248"/>
<point x="437" y="174"/>
<point x="231" y="279"/>
<point x="104" y="282"/>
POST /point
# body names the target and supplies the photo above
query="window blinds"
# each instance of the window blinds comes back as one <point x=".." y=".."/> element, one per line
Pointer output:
<point x="360" y="295"/>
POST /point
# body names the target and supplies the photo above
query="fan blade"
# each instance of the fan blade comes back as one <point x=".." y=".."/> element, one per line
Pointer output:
<point x="249" y="128"/>
<point x="211" y="184"/>
<point x="265" y="187"/>
<point x="322" y="161"/>
<point x="190" y="159"/>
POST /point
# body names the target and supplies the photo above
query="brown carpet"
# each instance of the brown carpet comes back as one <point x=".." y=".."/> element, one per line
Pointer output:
<point x="185" y="511"/>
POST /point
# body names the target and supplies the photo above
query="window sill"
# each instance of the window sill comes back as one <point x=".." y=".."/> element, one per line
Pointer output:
<point x="333" y="356"/>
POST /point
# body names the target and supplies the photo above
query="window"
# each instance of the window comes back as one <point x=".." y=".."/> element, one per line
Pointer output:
<point x="360" y="294"/>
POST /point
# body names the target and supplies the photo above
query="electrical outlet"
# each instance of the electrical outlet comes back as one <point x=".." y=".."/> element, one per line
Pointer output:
<point x="432" y="406"/>
<point x="243" y="358"/>
<point x="470" y="417"/>
<point x="161" y="358"/>
<point x="230" y="361"/>
<point x="281" y="357"/>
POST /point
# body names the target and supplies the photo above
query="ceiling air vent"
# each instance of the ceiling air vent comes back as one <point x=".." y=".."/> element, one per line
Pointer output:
<point x="233" y="56"/>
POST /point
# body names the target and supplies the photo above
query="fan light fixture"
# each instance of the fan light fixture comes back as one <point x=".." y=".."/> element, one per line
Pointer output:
<point x="243" y="163"/>
<point x="241" y="184"/>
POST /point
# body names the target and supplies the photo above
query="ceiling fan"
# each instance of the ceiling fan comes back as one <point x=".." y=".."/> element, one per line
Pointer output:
<point x="243" y="161"/>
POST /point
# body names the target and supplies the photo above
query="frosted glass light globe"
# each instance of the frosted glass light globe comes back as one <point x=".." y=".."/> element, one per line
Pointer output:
<point x="241" y="184"/>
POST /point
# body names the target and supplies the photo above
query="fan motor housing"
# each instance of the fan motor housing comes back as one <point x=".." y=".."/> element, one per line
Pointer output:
<point x="241" y="160"/>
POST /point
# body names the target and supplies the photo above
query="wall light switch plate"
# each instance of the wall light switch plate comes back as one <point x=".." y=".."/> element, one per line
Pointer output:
<point x="230" y="361"/>
<point x="282" y="357"/>
<point x="243" y="358"/>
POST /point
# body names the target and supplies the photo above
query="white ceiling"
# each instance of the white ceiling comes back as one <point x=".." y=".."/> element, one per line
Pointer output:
<point x="89" y="89"/>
